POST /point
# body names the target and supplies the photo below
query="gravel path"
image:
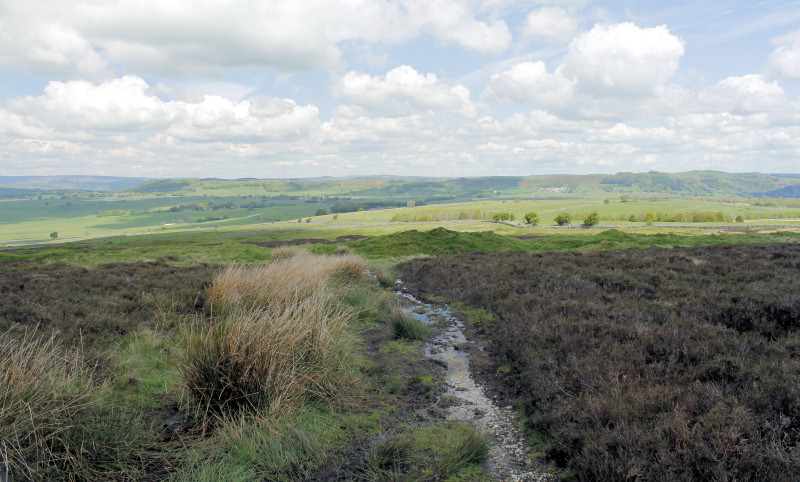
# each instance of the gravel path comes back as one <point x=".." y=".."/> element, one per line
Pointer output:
<point x="510" y="453"/>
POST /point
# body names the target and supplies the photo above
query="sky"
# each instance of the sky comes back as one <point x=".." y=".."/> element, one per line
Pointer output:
<point x="308" y="88"/>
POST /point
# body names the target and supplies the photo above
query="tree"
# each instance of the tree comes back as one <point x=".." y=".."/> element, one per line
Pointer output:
<point x="592" y="219"/>
<point x="650" y="217"/>
<point x="532" y="218"/>
<point x="563" y="218"/>
<point x="606" y="201"/>
<point x="632" y="218"/>
<point x="321" y="212"/>
<point x="739" y="218"/>
<point x="624" y="198"/>
<point x="54" y="235"/>
<point x="411" y="204"/>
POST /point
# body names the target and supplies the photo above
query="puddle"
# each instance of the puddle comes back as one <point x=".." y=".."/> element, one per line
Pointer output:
<point x="510" y="453"/>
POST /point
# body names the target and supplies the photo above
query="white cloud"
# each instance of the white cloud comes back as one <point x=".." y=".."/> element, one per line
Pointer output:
<point x="747" y="93"/>
<point x="403" y="91"/>
<point x="785" y="59"/>
<point x="123" y="107"/>
<point x="623" y="60"/>
<point x="549" y="23"/>
<point x="529" y="82"/>
<point x="77" y="39"/>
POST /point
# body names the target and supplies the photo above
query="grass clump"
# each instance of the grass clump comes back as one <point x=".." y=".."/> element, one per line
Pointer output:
<point x="284" y="280"/>
<point x="390" y="455"/>
<point x="43" y="391"/>
<point x="406" y="327"/>
<point x="286" y="252"/>
<point x="467" y="448"/>
<point x="266" y="359"/>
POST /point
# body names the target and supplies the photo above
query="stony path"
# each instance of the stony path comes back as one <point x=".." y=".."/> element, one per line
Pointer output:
<point x="510" y="453"/>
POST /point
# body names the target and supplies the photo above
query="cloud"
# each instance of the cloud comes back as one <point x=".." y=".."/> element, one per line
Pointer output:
<point x="124" y="107"/>
<point x="623" y="60"/>
<point x="529" y="82"/>
<point x="76" y="39"/>
<point x="404" y="91"/>
<point x="549" y="23"/>
<point x="785" y="59"/>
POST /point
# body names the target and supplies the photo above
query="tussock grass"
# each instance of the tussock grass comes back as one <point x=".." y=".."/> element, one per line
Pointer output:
<point x="406" y="327"/>
<point x="468" y="448"/>
<point x="284" y="280"/>
<point x="343" y="250"/>
<point x="267" y="360"/>
<point x="389" y="455"/>
<point x="279" y="340"/>
<point x="42" y="389"/>
<point x="287" y="252"/>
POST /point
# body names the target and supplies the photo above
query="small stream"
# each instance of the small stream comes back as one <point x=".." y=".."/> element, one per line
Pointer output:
<point x="510" y="452"/>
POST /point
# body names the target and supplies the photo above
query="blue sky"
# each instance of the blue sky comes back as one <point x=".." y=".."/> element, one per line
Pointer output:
<point x="237" y="88"/>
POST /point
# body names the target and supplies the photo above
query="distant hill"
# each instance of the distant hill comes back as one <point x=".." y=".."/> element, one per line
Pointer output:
<point x="696" y="183"/>
<point x="73" y="183"/>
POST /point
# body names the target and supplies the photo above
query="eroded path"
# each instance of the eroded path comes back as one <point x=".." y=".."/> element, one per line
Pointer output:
<point x="465" y="399"/>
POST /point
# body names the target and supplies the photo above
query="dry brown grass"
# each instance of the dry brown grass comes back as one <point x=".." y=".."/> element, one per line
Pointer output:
<point x="282" y="280"/>
<point x="286" y="252"/>
<point x="42" y="388"/>
<point x="278" y="339"/>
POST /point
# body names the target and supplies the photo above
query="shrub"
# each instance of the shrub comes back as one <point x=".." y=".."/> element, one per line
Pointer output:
<point x="591" y="219"/>
<point x="532" y="218"/>
<point x="406" y="327"/>
<point x="563" y="218"/>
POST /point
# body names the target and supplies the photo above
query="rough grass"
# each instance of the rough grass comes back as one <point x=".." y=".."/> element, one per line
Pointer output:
<point x="42" y="390"/>
<point x="283" y="280"/>
<point x="406" y="327"/>
<point x="279" y="340"/>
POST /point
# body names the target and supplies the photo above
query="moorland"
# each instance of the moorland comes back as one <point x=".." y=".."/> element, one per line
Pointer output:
<point x="247" y="330"/>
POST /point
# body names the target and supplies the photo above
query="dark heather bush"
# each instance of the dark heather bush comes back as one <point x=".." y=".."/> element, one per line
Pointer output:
<point x="654" y="364"/>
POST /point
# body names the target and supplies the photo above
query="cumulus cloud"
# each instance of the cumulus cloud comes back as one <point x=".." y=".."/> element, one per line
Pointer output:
<point x="549" y="23"/>
<point x="404" y="91"/>
<point x="85" y="39"/>
<point x="623" y="60"/>
<point x="124" y="106"/>
<point x="785" y="59"/>
<point x="530" y="82"/>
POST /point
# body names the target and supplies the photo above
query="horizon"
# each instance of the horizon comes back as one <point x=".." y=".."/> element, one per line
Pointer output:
<point x="475" y="87"/>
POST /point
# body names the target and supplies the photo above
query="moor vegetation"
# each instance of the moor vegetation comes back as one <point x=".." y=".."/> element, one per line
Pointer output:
<point x="644" y="364"/>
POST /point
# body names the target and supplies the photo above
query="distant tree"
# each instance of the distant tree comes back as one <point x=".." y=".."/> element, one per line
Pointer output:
<point x="411" y="204"/>
<point x="504" y="216"/>
<point x="54" y="235"/>
<point x="320" y="212"/>
<point x="532" y="218"/>
<point x="592" y="219"/>
<point x="308" y="220"/>
<point x="624" y="198"/>
<point x="739" y="218"/>
<point x="335" y="216"/>
<point x="606" y="201"/>
<point x="632" y="218"/>
<point x="563" y="218"/>
<point x="650" y="217"/>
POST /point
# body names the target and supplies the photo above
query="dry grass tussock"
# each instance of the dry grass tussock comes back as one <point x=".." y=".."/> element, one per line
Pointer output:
<point x="42" y="389"/>
<point x="279" y="340"/>
<point x="284" y="280"/>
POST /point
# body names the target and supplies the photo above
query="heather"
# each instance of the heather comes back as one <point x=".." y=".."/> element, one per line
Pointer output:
<point x="652" y="364"/>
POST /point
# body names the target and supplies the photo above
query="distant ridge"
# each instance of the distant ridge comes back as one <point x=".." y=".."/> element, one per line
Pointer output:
<point x="79" y="183"/>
